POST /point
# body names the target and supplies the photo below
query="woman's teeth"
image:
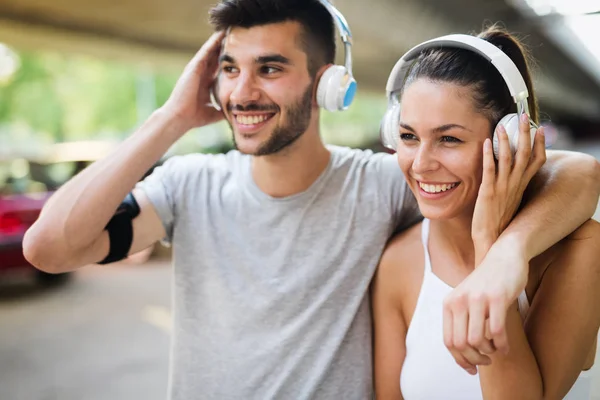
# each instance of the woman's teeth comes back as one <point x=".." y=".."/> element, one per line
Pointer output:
<point x="437" y="188"/>
<point x="251" y="119"/>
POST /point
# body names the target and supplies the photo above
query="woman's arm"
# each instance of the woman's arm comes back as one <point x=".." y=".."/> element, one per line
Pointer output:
<point x="548" y="354"/>
<point x="512" y="376"/>
<point x="564" y="318"/>
<point x="389" y="328"/>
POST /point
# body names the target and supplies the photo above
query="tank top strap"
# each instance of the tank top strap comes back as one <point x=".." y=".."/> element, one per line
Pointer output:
<point x="425" y="240"/>
<point x="523" y="305"/>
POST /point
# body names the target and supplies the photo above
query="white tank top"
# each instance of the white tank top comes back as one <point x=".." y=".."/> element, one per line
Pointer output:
<point x="429" y="371"/>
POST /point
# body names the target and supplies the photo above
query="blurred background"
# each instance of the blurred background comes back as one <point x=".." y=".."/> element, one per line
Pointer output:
<point x="76" y="78"/>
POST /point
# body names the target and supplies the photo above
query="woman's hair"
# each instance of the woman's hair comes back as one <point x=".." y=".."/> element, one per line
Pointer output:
<point x="467" y="68"/>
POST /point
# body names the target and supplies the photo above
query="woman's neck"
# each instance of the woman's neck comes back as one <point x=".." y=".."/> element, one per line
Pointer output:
<point x="452" y="237"/>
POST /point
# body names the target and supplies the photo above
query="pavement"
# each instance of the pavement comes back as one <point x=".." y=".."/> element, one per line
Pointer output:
<point x="102" y="336"/>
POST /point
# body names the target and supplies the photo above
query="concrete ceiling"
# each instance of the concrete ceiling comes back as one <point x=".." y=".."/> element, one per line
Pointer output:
<point x="164" y="34"/>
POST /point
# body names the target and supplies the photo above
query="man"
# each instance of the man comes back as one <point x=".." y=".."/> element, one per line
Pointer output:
<point x="274" y="244"/>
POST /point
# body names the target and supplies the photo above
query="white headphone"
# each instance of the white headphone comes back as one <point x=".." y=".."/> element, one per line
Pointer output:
<point x="507" y="68"/>
<point x="336" y="87"/>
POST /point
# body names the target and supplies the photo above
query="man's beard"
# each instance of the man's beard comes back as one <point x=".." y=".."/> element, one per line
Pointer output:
<point x="297" y="120"/>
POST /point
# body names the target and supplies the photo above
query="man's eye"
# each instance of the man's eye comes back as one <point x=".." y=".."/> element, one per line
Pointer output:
<point x="407" y="136"/>
<point x="269" y="70"/>
<point x="451" y="139"/>
<point x="228" y="69"/>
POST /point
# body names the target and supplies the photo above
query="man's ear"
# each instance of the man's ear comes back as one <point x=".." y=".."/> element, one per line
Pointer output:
<point x="318" y="76"/>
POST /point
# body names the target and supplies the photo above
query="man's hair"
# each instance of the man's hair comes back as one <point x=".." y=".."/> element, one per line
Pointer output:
<point x="317" y="38"/>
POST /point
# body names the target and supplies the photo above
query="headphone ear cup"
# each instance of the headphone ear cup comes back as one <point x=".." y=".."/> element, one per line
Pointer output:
<point x="388" y="130"/>
<point x="511" y="125"/>
<point x="336" y="89"/>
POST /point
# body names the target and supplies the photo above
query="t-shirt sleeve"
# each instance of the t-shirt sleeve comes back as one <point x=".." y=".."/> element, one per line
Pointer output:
<point x="163" y="187"/>
<point x="398" y="199"/>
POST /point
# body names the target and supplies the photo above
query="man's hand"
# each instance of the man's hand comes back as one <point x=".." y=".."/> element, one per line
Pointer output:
<point x="475" y="312"/>
<point x="190" y="99"/>
<point x="502" y="189"/>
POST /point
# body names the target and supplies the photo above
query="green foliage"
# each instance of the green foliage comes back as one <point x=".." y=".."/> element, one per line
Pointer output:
<point x="54" y="98"/>
<point x="359" y="125"/>
<point x="30" y="99"/>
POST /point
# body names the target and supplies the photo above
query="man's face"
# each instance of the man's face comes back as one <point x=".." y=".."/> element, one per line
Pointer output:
<point x="264" y="87"/>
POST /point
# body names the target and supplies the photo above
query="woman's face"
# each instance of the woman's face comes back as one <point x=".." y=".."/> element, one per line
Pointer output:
<point x="440" y="147"/>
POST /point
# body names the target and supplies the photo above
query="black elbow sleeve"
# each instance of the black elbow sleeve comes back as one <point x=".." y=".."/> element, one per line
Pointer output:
<point x="120" y="230"/>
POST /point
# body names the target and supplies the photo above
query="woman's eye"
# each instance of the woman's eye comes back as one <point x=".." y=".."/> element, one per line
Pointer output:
<point x="451" y="139"/>
<point x="407" y="136"/>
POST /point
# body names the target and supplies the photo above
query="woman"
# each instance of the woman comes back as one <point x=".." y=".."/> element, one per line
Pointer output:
<point x="552" y="329"/>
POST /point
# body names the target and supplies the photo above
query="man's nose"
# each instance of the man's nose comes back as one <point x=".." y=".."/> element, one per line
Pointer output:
<point x="245" y="90"/>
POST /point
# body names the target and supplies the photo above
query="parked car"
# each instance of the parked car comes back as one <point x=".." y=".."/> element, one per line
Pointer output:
<point x="17" y="214"/>
<point x="26" y="183"/>
<point x="21" y="200"/>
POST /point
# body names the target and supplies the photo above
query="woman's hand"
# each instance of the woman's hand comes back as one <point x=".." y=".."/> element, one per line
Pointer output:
<point x="475" y="311"/>
<point x="502" y="187"/>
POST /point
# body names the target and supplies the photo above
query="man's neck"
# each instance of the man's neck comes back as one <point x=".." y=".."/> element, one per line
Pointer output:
<point x="293" y="169"/>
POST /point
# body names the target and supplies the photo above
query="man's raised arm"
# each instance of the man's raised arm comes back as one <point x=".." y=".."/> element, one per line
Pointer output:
<point x="70" y="230"/>
<point x="560" y="198"/>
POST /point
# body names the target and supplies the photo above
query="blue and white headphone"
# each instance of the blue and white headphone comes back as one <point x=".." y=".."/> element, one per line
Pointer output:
<point x="337" y="87"/>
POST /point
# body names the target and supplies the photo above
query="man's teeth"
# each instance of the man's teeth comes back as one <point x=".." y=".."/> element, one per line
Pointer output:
<point x="250" y="119"/>
<point x="437" y="188"/>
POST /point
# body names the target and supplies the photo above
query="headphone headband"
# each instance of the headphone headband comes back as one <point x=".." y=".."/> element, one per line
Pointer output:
<point x="503" y="64"/>
<point x="344" y="31"/>
<point x="507" y="68"/>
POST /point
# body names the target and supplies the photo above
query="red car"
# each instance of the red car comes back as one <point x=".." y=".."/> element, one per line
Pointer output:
<point x="17" y="213"/>
<point x="26" y="183"/>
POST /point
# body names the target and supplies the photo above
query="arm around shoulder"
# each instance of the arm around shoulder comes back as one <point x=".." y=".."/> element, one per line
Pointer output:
<point x="572" y="170"/>
<point x="560" y="198"/>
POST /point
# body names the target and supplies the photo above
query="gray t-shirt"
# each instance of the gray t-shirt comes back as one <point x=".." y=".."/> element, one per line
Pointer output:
<point x="271" y="294"/>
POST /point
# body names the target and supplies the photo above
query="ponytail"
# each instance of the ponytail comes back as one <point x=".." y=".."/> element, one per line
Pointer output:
<point x="513" y="48"/>
<point x="463" y="67"/>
